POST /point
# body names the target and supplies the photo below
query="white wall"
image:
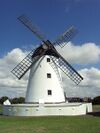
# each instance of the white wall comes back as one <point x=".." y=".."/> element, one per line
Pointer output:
<point x="47" y="110"/>
<point x="39" y="83"/>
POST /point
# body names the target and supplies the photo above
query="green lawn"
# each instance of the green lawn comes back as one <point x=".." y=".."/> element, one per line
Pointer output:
<point x="79" y="124"/>
<point x="75" y="124"/>
<point x="96" y="108"/>
<point x="0" y="109"/>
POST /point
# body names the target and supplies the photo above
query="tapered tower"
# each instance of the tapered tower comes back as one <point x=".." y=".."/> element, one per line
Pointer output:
<point x="45" y="83"/>
<point x="45" y="63"/>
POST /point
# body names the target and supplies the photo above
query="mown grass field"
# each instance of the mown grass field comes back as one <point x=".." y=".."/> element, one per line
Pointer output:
<point x="96" y="108"/>
<point x="75" y="124"/>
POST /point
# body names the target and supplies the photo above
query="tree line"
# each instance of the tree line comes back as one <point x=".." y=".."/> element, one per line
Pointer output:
<point x="16" y="100"/>
<point x="12" y="100"/>
<point x="95" y="100"/>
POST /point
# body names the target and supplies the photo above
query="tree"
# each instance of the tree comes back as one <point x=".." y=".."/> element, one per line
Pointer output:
<point x="21" y="100"/>
<point x="2" y="99"/>
<point x="18" y="100"/>
<point x="14" y="100"/>
<point x="96" y="100"/>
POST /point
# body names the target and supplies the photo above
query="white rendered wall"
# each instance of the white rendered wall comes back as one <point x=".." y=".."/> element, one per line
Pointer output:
<point x="39" y="84"/>
<point x="65" y="109"/>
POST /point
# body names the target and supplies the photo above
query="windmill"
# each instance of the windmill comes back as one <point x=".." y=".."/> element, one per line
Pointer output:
<point x="45" y="63"/>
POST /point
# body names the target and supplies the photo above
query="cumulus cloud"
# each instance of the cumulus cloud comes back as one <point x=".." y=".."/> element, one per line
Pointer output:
<point x="8" y="83"/>
<point x="84" y="55"/>
<point x="91" y="77"/>
<point x="90" y="86"/>
<point x="88" y="53"/>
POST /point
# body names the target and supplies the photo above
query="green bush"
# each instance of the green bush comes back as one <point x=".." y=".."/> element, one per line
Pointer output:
<point x="2" y="99"/>
<point x="96" y="100"/>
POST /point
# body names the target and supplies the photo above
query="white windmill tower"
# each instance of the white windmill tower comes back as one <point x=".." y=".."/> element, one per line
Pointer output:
<point x="45" y="83"/>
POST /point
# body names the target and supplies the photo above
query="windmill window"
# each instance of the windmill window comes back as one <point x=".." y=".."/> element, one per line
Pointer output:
<point x="48" y="75"/>
<point x="48" y="59"/>
<point x="49" y="92"/>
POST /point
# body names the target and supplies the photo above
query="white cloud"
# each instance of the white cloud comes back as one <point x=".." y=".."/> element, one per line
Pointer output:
<point x="90" y="86"/>
<point x="8" y="83"/>
<point x="85" y="54"/>
<point x="91" y="77"/>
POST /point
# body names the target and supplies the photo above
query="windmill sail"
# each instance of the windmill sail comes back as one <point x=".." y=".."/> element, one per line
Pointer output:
<point x="31" y="27"/>
<point x="23" y="66"/>
<point x="47" y="48"/>
<point x="67" y="69"/>
<point x="61" y="40"/>
<point x="65" y="37"/>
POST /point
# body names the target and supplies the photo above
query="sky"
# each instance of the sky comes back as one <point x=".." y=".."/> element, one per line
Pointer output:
<point x="53" y="17"/>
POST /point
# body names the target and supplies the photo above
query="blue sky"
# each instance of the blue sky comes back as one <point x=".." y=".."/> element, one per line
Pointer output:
<point x="52" y="16"/>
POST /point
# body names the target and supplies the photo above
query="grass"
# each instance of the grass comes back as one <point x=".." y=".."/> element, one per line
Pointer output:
<point x="68" y="124"/>
<point x="96" y="108"/>
<point x="0" y="109"/>
<point x="77" y="124"/>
